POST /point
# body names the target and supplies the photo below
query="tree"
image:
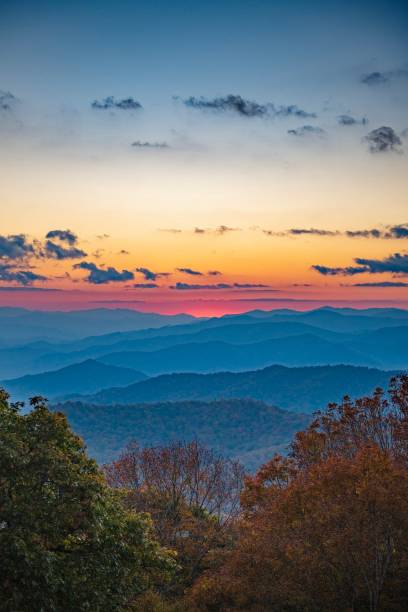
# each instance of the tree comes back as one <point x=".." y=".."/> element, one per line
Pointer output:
<point x="325" y="529"/>
<point x="66" y="542"/>
<point x="192" y="494"/>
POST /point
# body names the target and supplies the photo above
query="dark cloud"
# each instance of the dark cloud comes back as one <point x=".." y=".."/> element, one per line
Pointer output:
<point x="250" y="286"/>
<point x="145" y="286"/>
<point x="372" y="233"/>
<point x="189" y="271"/>
<point x="214" y="273"/>
<point x="383" y="139"/>
<point x="100" y="276"/>
<point x="349" y="120"/>
<point x="380" y="78"/>
<point x="22" y="277"/>
<point x="56" y="251"/>
<point x="394" y="264"/>
<point x="307" y="130"/>
<point x="191" y="287"/>
<point x="150" y="145"/>
<point x="348" y="271"/>
<point x="110" y="103"/>
<point x="312" y="231"/>
<point x="16" y="247"/>
<point x="150" y="275"/>
<point x="199" y="230"/>
<point x="381" y="284"/>
<point x="7" y="101"/>
<point x="244" y="107"/>
<point x="375" y="78"/>
<point x="63" y="235"/>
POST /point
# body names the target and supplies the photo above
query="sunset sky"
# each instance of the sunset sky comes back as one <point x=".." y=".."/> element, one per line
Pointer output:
<point x="205" y="157"/>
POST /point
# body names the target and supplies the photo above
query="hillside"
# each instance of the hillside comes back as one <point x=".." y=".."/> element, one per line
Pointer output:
<point x="249" y="430"/>
<point x="86" y="377"/>
<point x="297" y="389"/>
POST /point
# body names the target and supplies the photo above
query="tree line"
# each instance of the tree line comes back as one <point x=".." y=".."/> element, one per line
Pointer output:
<point x="180" y="528"/>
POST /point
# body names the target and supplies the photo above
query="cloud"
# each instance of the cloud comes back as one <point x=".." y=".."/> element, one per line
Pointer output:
<point x="110" y="103"/>
<point x="220" y="230"/>
<point x="22" y="277"/>
<point x="307" y="130"/>
<point x="150" y="275"/>
<point x="56" y="251"/>
<point x="380" y="78"/>
<point x="16" y="247"/>
<point x="375" y="78"/>
<point x="171" y="230"/>
<point x="250" y="286"/>
<point x="395" y="264"/>
<point x="218" y="286"/>
<point x="312" y="231"/>
<point x="63" y="235"/>
<point x="100" y="276"/>
<point x="349" y="120"/>
<point x="7" y="101"/>
<point x="381" y="284"/>
<point x="28" y="288"/>
<point x="191" y="287"/>
<point x="145" y="286"/>
<point x="397" y="232"/>
<point x="189" y="271"/>
<point x="244" y="107"/>
<point x="214" y="273"/>
<point x="348" y="271"/>
<point x="150" y="145"/>
<point x="383" y="139"/>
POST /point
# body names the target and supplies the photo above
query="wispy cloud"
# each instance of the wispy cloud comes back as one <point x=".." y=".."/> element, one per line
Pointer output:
<point x="101" y="276"/>
<point x="307" y="130"/>
<point x="138" y="144"/>
<point x="190" y="271"/>
<point x="381" y="284"/>
<point x="111" y="103"/>
<point x="7" y="101"/>
<point x="348" y="120"/>
<point x="145" y="285"/>
<point x="388" y="232"/>
<point x="382" y="77"/>
<point x="218" y="286"/>
<point x="244" y="107"/>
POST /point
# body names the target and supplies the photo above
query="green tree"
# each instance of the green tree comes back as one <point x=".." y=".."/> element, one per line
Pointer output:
<point x="66" y="541"/>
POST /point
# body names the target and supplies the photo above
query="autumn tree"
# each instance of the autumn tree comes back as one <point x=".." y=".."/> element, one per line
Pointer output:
<point x="325" y="529"/>
<point x="192" y="494"/>
<point x="66" y="541"/>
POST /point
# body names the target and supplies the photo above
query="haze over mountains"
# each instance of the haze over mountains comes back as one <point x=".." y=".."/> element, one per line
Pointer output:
<point x="120" y="364"/>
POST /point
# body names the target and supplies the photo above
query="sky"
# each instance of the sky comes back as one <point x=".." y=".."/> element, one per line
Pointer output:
<point x="203" y="157"/>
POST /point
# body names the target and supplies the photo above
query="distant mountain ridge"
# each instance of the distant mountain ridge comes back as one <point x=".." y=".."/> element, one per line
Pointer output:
<point x="304" y="389"/>
<point x="86" y="377"/>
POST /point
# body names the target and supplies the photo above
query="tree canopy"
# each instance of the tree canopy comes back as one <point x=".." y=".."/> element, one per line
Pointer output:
<point x="66" y="540"/>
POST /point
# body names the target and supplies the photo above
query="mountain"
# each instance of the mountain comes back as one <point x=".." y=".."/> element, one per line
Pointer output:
<point x="303" y="389"/>
<point x="352" y="334"/>
<point x="306" y="349"/>
<point x="21" y="326"/>
<point x="245" y="429"/>
<point x="87" y="377"/>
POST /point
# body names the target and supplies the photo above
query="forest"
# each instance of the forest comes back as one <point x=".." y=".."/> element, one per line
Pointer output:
<point x="179" y="527"/>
